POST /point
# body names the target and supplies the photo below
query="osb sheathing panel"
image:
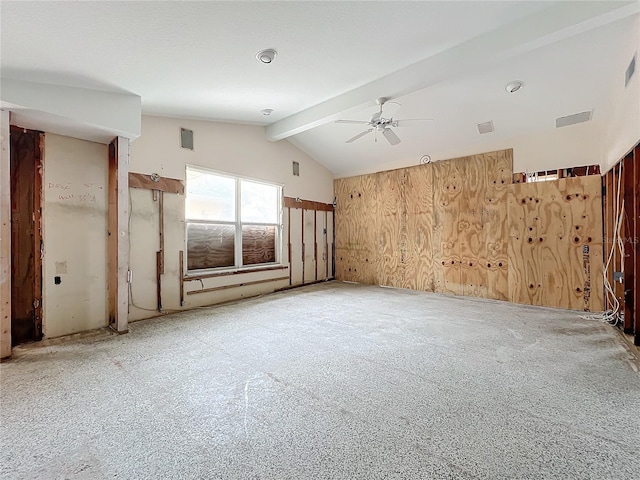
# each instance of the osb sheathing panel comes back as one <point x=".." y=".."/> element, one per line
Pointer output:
<point x="456" y="227"/>
<point x="555" y="247"/>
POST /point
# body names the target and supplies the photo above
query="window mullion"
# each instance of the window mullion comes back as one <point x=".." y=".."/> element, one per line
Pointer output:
<point x="238" y="245"/>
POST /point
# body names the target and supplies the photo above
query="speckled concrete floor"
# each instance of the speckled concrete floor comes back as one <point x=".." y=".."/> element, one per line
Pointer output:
<point x="332" y="381"/>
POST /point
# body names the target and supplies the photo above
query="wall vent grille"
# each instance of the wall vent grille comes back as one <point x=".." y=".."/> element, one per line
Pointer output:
<point x="486" y="127"/>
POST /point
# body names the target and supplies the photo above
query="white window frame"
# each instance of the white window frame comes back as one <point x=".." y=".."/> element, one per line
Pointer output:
<point x="238" y="223"/>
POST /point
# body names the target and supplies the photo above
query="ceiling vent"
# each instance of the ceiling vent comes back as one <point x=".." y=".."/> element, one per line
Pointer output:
<point x="573" y="119"/>
<point x="486" y="127"/>
<point x="630" y="71"/>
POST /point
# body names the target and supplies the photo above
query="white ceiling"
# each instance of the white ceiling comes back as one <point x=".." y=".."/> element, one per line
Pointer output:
<point x="445" y="60"/>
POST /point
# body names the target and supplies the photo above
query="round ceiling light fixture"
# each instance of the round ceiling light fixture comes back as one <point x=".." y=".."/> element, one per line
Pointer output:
<point x="513" y="87"/>
<point x="267" y="111"/>
<point x="266" y="56"/>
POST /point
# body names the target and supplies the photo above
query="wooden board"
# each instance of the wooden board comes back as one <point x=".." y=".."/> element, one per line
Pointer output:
<point x="460" y="227"/>
<point x="26" y="262"/>
<point x="389" y="266"/>
<point x="290" y="202"/>
<point x="555" y="249"/>
<point x="118" y="230"/>
<point x="163" y="184"/>
<point x="635" y="240"/>
<point x="321" y="243"/>
<point x="447" y="188"/>
<point x="330" y="246"/>
<point x="627" y="234"/>
<point x="5" y="235"/>
<point x="418" y="209"/>
<point x="495" y="223"/>
<point x="471" y="211"/>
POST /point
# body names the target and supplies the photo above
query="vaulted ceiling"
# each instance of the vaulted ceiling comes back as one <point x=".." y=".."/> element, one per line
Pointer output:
<point x="449" y="61"/>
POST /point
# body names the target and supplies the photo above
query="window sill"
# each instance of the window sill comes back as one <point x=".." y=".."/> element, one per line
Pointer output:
<point x="193" y="277"/>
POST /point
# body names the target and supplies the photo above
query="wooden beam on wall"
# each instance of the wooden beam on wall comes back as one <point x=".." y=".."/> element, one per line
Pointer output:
<point x="118" y="230"/>
<point x="291" y="202"/>
<point x="163" y="184"/>
<point x="5" y="237"/>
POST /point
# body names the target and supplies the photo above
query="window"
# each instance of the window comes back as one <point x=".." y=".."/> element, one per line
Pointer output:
<point x="231" y="222"/>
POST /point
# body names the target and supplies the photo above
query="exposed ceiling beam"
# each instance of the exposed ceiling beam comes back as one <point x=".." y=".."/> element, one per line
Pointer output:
<point x="560" y="21"/>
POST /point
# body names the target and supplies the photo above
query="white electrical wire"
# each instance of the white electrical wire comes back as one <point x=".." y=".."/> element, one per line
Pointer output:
<point x="612" y="316"/>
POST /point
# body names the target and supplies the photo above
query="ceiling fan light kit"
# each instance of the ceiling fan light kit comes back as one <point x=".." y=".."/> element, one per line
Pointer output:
<point x="379" y="123"/>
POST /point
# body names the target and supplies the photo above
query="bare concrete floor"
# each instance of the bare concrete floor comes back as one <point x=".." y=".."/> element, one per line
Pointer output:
<point x="331" y="381"/>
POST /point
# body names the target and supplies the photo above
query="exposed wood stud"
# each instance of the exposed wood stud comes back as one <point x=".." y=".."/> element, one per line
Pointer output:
<point x="5" y="236"/>
<point x="628" y="260"/>
<point x="118" y="231"/>
<point x="181" y="276"/>
<point x="303" y="245"/>
<point x="289" y="243"/>
<point x="161" y="228"/>
<point x="635" y="243"/>
<point x="326" y="246"/>
<point x="315" y="245"/>
<point x="159" y="280"/>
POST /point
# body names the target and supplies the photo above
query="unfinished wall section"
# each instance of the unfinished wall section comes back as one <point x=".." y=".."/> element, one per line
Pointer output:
<point x="456" y="226"/>
<point x="74" y="235"/>
<point x="234" y="149"/>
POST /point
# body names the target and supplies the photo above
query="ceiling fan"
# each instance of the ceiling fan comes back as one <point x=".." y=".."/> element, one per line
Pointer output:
<point x="378" y="123"/>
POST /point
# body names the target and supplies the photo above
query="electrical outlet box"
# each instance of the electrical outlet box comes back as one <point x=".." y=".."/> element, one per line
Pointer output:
<point x="617" y="277"/>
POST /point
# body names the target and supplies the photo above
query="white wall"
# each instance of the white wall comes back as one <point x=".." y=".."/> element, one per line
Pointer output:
<point x="236" y="149"/>
<point x="622" y="117"/>
<point x="74" y="235"/>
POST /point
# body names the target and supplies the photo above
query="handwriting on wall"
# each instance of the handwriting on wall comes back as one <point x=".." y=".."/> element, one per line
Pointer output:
<point x="76" y="192"/>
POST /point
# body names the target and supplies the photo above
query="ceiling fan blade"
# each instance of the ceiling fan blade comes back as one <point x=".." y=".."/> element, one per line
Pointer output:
<point x="361" y="134"/>
<point x="391" y="137"/>
<point x="404" y="122"/>
<point x="358" y="122"/>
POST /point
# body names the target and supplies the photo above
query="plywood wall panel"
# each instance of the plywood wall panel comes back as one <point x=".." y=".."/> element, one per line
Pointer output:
<point x="495" y="213"/>
<point x="460" y="227"/>
<point x="523" y="252"/>
<point x="471" y="238"/>
<point x="555" y="249"/>
<point x="418" y="192"/>
<point x="447" y="185"/>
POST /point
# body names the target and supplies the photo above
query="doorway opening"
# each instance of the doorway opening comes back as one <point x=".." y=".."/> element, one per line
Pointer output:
<point x="26" y="235"/>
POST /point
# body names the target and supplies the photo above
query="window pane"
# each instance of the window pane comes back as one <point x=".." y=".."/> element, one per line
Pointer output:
<point x="259" y="202"/>
<point x="210" y="246"/>
<point x="210" y="197"/>
<point x="258" y="244"/>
